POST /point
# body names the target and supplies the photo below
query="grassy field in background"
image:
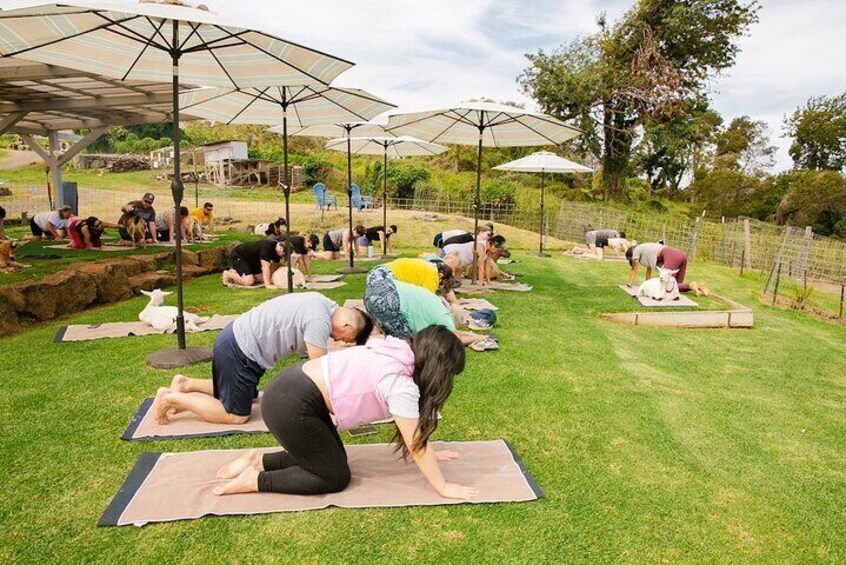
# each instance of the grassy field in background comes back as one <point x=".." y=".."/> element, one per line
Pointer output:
<point x="651" y="445"/>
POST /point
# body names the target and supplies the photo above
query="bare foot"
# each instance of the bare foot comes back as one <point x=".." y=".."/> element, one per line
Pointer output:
<point x="161" y="406"/>
<point x="247" y="481"/>
<point x="695" y="288"/>
<point x="251" y="458"/>
<point x="705" y="290"/>
<point x="178" y="383"/>
<point x="225" y="277"/>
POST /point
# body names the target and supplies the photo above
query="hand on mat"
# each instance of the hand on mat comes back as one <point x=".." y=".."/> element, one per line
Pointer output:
<point x="447" y="455"/>
<point x="452" y="490"/>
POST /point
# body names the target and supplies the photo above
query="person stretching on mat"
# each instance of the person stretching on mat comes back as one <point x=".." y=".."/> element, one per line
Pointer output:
<point x="459" y="256"/>
<point x="302" y="251"/>
<point x="382" y="235"/>
<point x="387" y="378"/>
<point x="597" y="241"/>
<point x="337" y="240"/>
<point x="293" y="323"/>
<point x="434" y="275"/>
<point x="402" y="310"/>
<point x="253" y="263"/>
<point x="654" y="255"/>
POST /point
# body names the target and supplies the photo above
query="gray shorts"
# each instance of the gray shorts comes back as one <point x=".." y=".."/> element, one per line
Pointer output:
<point x="590" y="238"/>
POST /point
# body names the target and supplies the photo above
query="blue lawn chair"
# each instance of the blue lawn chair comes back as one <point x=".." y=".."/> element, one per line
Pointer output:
<point x="323" y="198"/>
<point x="360" y="202"/>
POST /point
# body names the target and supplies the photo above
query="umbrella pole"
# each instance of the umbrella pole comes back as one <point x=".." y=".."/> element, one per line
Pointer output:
<point x="385" y="201"/>
<point x="540" y="244"/>
<point x="352" y="268"/>
<point x="182" y="355"/>
<point x="287" y="189"/>
<point x="476" y="205"/>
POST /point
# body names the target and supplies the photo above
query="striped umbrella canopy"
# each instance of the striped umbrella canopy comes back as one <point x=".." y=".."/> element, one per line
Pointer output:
<point x="160" y="40"/>
<point x="543" y="162"/>
<point x="342" y="129"/>
<point x="301" y="105"/>
<point x="483" y="123"/>
<point x="394" y="147"/>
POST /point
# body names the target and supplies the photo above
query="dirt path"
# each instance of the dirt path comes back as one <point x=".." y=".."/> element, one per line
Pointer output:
<point x="17" y="159"/>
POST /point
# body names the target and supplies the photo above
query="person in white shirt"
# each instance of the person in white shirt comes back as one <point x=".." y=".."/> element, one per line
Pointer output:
<point x="50" y="225"/>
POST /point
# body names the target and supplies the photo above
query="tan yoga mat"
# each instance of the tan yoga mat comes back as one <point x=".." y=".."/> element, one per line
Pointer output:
<point x="308" y="286"/>
<point x="649" y="302"/>
<point x="188" y="425"/>
<point x="323" y="278"/>
<point x="495" y="285"/>
<point x="594" y="257"/>
<point x="164" y="487"/>
<point x="476" y="304"/>
<point x="354" y="303"/>
<point x="126" y="329"/>
<point x="107" y="248"/>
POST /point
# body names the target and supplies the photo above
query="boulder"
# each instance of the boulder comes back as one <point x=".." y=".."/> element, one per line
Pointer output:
<point x="189" y="257"/>
<point x="8" y="317"/>
<point x="73" y="290"/>
<point x="109" y="278"/>
<point x="214" y="258"/>
<point x="192" y="271"/>
<point x="151" y="281"/>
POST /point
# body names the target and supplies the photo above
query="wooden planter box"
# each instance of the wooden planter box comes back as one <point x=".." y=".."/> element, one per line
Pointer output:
<point x="738" y="317"/>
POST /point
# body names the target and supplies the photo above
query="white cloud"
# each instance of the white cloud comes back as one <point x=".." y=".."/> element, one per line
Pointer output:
<point x="427" y="54"/>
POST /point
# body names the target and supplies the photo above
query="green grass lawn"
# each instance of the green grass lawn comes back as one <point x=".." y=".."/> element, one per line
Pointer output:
<point x="651" y="445"/>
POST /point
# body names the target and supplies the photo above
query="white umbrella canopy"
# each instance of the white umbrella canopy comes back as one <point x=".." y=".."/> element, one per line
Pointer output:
<point x="155" y="41"/>
<point x="498" y="125"/>
<point x="134" y="40"/>
<point x="394" y="147"/>
<point x="302" y="105"/>
<point x="543" y="162"/>
<point x="484" y="123"/>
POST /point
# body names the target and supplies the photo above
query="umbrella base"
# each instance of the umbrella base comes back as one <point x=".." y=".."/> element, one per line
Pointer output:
<point x="542" y="255"/>
<point x="351" y="271"/>
<point x="389" y="256"/>
<point x="175" y="357"/>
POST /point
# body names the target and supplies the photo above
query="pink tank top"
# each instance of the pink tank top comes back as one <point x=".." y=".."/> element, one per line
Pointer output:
<point x="352" y="376"/>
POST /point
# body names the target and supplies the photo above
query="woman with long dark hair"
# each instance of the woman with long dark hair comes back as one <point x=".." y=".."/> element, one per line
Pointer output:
<point x="408" y="381"/>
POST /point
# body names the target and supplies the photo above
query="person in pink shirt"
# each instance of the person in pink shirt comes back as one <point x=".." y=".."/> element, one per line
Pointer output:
<point x="385" y="378"/>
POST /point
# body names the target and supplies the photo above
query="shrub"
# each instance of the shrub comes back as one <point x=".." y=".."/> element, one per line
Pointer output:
<point x="403" y="177"/>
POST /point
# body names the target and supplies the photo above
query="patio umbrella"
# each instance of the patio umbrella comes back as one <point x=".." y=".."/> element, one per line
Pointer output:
<point x="482" y="123"/>
<point x="158" y="41"/>
<point x="342" y="129"/>
<point x="395" y="147"/>
<point x="543" y="162"/>
<point x="308" y="105"/>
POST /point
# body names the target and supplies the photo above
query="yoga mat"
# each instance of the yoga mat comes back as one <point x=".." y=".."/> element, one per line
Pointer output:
<point x="308" y="286"/>
<point x="595" y="258"/>
<point x="188" y="425"/>
<point x="107" y="248"/>
<point x="126" y="329"/>
<point x="323" y="278"/>
<point x="476" y="304"/>
<point x="495" y="285"/>
<point x="354" y="303"/>
<point x="164" y="487"/>
<point x="646" y="301"/>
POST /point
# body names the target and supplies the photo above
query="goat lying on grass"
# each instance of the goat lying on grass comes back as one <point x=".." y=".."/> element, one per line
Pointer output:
<point x="661" y="287"/>
<point x="163" y="318"/>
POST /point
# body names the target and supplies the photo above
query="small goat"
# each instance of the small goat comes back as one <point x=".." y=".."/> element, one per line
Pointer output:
<point x="163" y="318"/>
<point x="137" y="230"/>
<point x="661" y="287"/>
<point x="8" y="247"/>
<point x="279" y="278"/>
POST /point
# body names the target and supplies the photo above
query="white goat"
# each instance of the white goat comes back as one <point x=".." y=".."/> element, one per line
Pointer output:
<point x="163" y="318"/>
<point x="279" y="278"/>
<point x="661" y="287"/>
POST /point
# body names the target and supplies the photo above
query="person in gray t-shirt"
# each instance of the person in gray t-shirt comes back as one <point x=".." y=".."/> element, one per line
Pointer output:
<point x="301" y="323"/>
<point x="645" y="254"/>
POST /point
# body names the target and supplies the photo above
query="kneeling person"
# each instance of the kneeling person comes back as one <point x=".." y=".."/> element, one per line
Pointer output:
<point x="293" y="323"/>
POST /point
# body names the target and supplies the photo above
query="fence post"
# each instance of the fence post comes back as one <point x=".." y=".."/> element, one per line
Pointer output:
<point x="747" y="245"/>
<point x="842" y="293"/>
<point x="806" y="251"/>
<point x="742" y="261"/>
<point x="778" y="279"/>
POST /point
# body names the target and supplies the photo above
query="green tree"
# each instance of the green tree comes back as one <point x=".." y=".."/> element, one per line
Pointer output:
<point x="818" y="130"/>
<point x="644" y="69"/>
<point x="814" y="198"/>
<point x="744" y="146"/>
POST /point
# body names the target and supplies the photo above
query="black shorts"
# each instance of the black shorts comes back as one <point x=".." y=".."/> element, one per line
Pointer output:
<point x="35" y="229"/>
<point x="235" y="377"/>
<point x="329" y="245"/>
<point x="458" y="239"/>
<point x="241" y="266"/>
<point x="601" y="241"/>
<point x="438" y="242"/>
<point x="164" y="235"/>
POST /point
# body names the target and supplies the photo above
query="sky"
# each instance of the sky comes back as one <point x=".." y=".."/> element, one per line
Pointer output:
<point x="421" y="55"/>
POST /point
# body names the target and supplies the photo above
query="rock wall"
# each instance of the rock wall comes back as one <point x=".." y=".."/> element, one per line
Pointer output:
<point x="99" y="282"/>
